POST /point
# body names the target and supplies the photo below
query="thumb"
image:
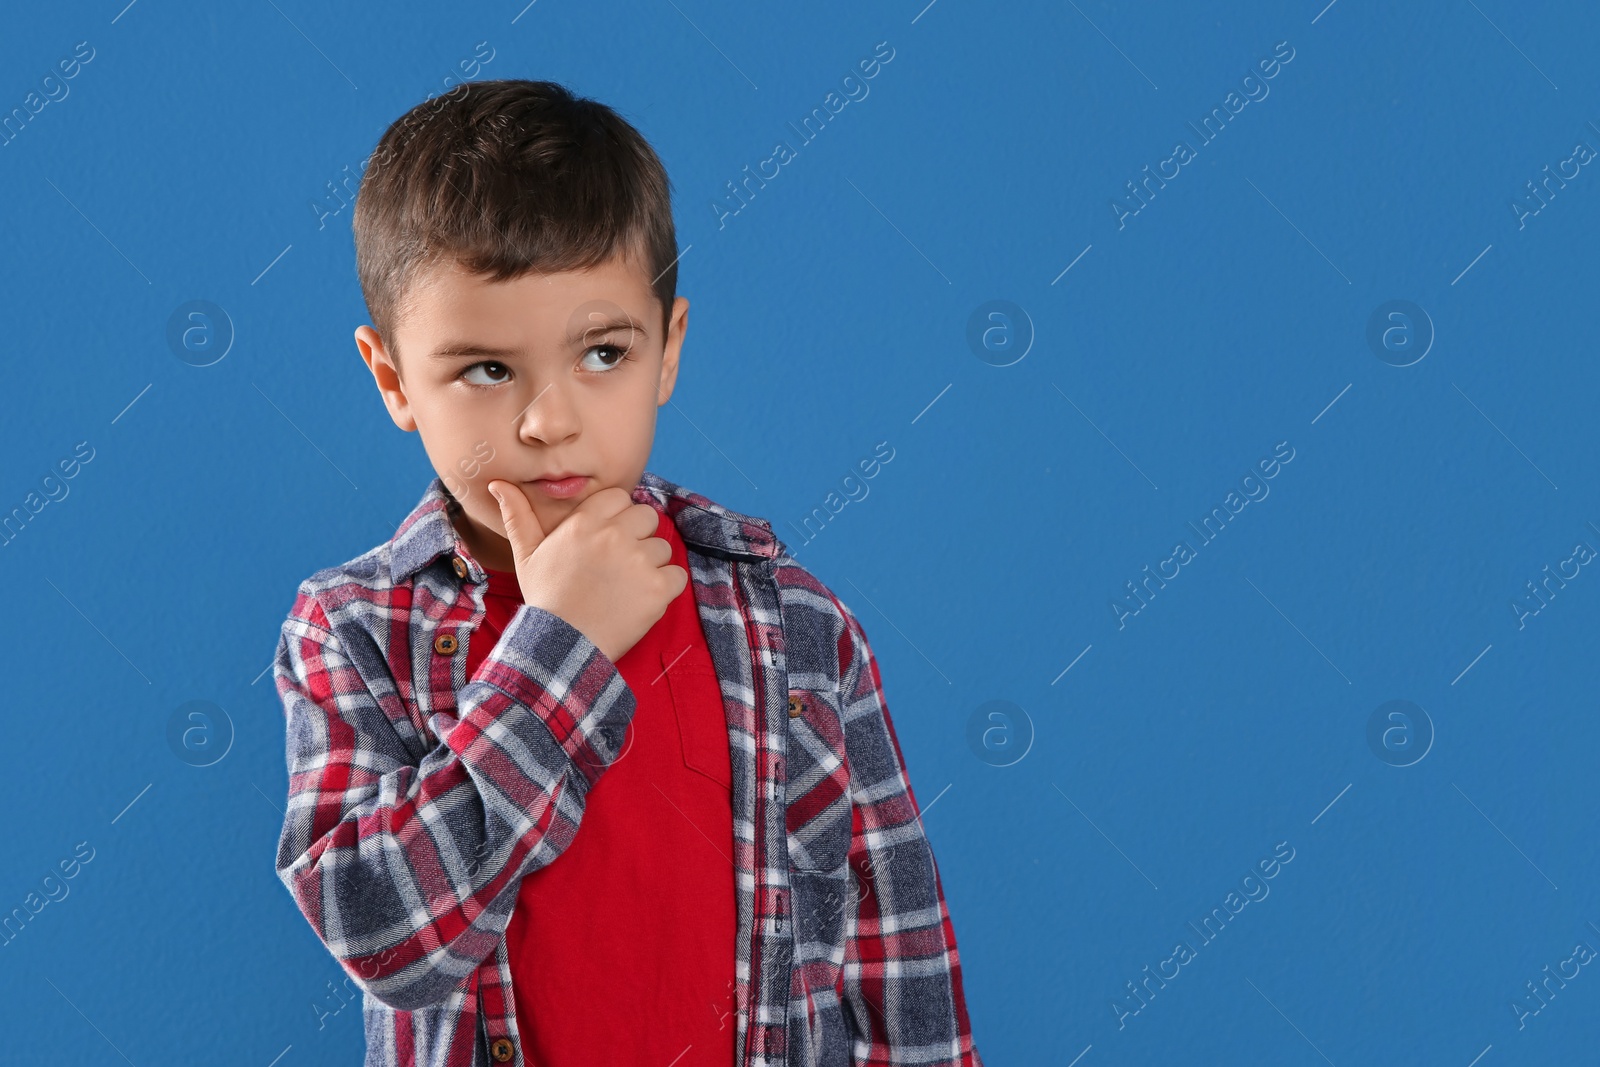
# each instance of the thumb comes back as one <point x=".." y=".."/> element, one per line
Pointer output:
<point x="516" y="514"/>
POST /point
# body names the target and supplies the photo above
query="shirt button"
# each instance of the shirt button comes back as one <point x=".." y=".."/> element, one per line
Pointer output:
<point x="501" y="1050"/>
<point x="459" y="565"/>
<point x="794" y="706"/>
<point x="445" y="644"/>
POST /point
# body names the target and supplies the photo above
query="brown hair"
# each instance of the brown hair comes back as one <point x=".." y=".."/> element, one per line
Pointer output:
<point x="509" y="177"/>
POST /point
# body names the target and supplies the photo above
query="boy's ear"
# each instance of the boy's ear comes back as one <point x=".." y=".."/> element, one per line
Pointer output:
<point x="384" y="372"/>
<point x="676" y="329"/>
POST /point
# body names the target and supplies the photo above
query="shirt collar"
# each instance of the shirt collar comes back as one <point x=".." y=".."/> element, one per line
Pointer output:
<point x="428" y="533"/>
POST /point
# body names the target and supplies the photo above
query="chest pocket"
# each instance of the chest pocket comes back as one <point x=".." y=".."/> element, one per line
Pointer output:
<point x="817" y="815"/>
<point x="702" y="722"/>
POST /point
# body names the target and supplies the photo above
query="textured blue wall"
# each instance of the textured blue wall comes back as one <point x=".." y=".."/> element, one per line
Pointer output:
<point x="1355" y="313"/>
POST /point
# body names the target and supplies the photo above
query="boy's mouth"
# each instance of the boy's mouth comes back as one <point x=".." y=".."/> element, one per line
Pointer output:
<point x="562" y="488"/>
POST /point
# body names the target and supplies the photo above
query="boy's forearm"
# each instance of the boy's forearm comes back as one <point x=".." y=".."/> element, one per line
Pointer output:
<point x="370" y="831"/>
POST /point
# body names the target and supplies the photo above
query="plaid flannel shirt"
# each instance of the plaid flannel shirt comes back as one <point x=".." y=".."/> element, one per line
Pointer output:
<point x="419" y="797"/>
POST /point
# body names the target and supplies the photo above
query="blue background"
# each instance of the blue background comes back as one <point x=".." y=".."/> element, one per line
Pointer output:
<point x="1230" y="714"/>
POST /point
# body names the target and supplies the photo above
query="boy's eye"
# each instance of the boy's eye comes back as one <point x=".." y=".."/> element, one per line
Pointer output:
<point x="481" y="368"/>
<point x="615" y="353"/>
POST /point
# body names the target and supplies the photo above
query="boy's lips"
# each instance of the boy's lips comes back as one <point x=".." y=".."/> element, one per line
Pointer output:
<point x="562" y="486"/>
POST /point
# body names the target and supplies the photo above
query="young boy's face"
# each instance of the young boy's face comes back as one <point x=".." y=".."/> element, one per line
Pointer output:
<point x="547" y="374"/>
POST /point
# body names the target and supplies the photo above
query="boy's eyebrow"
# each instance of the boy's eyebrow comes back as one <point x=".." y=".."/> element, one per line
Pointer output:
<point x="465" y="349"/>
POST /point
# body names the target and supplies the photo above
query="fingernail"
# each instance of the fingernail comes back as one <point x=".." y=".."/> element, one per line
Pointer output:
<point x="496" y="494"/>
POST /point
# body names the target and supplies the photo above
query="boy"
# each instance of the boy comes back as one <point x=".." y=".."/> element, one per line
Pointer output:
<point x="556" y="635"/>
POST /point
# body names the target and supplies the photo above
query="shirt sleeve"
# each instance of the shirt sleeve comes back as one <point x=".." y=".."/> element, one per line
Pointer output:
<point x="902" y="973"/>
<point x="408" y="870"/>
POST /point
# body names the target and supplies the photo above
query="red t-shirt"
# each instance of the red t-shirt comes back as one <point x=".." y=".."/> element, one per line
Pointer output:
<point x="622" y="949"/>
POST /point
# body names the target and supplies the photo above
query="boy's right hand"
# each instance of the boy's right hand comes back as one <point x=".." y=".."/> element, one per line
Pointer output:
<point x="602" y="570"/>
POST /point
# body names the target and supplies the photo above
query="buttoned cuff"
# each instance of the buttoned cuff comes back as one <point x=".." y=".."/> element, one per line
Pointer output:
<point x="552" y="671"/>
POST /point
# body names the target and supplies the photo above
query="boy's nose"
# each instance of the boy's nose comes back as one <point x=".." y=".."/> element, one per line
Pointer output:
<point x="549" y="418"/>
